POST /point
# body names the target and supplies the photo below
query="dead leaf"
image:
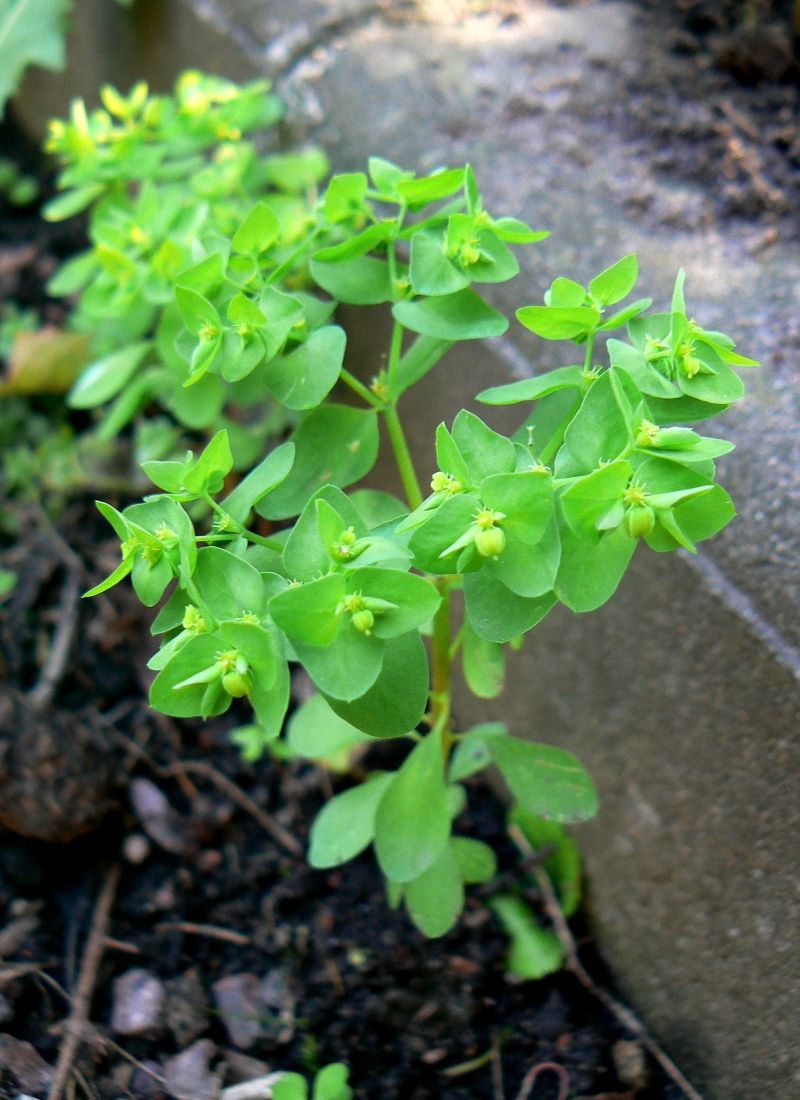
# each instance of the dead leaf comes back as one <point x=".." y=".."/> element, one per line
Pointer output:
<point x="47" y="361"/>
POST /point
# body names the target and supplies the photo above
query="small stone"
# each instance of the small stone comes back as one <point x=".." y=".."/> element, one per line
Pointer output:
<point x="136" y="848"/>
<point x="144" y="1084"/>
<point x="137" y="1003"/>
<point x="187" y="1008"/>
<point x="240" y="1003"/>
<point x="188" y="1076"/>
<point x="630" y="1062"/>
<point x="6" y="1009"/>
<point x="242" y="1067"/>
<point x="162" y="823"/>
<point x="25" y="1064"/>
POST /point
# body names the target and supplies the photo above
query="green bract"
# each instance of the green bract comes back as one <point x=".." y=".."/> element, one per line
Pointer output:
<point x="281" y="565"/>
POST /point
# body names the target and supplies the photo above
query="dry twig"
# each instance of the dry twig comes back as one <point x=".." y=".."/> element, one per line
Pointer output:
<point x="572" y="963"/>
<point x="530" y="1078"/>
<point x="81" y="1003"/>
<point x="41" y="695"/>
<point x="189" y="928"/>
<point x="237" y="795"/>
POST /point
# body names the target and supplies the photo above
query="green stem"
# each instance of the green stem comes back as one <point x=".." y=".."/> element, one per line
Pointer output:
<point x="587" y="363"/>
<point x="358" y="387"/>
<point x="291" y="260"/>
<point x="239" y="529"/>
<point x="395" y="351"/>
<point x="405" y="463"/>
<point x="441" y="679"/>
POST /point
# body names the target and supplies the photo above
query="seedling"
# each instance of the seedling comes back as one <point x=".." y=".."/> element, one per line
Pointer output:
<point x="348" y="583"/>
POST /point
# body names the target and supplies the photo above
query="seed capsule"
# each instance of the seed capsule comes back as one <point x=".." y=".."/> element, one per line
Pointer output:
<point x="640" y="520"/>
<point x="364" y="621"/>
<point x="237" y="684"/>
<point x="490" y="542"/>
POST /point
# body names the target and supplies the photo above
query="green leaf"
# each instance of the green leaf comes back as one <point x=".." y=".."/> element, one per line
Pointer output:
<point x="432" y="271"/>
<point x="484" y="451"/>
<point x="334" y="445"/>
<point x="514" y="231"/>
<point x="588" y="499"/>
<point x="255" y="643"/>
<point x="601" y="429"/>
<point x="436" y="534"/>
<point x="359" y="245"/>
<point x="291" y="1086"/>
<point x="361" y="281"/>
<point x="266" y="476"/>
<point x="345" y="826"/>
<point x="439" y="185"/>
<point x="461" y="316"/>
<point x="348" y="667"/>
<point x="297" y="172"/>
<point x="198" y="654"/>
<point x="449" y="457"/>
<point x="258" y="231"/>
<point x="302" y="379"/>
<point x="105" y="377"/>
<point x="415" y="597"/>
<point x="386" y="175"/>
<point x="71" y="202"/>
<point x="315" y="731"/>
<point x="396" y="702"/>
<point x="436" y="898"/>
<point x="531" y="389"/>
<point x="565" y="293"/>
<point x="307" y="553"/>
<point x="412" y="826"/>
<point x="208" y="472"/>
<point x="498" y="614"/>
<point x="545" y="780"/>
<point x="307" y="612"/>
<point x="228" y="586"/>
<point x="534" y="952"/>
<point x="471" y="754"/>
<point x="344" y="196"/>
<point x="589" y="575"/>
<point x="196" y="310"/>
<point x="616" y="282"/>
<point x="617" y="320"/>
<point x="331" y="1083"/>
<point x="476" y="860"/>
<point x="557" y="323"/>
<point x="483" y="663"/>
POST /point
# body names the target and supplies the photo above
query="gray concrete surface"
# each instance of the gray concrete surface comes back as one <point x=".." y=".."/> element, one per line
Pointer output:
<point x="683" y="694"/>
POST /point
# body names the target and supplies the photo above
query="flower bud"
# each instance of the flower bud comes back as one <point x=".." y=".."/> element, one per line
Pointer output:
<point x="237" y="684"/>
<point x="490" y="542"/>
<point x="640" y="519"/>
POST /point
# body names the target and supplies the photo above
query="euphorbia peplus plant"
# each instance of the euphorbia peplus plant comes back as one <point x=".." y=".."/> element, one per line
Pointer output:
<point x="347" y="583"/>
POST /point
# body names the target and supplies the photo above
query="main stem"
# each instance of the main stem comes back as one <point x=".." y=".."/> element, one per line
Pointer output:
<point x="442" y="657"/>
<point x="441" y="668"/>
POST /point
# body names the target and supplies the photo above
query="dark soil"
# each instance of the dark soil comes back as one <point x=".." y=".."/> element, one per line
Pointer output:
<point x="330" y="972"/>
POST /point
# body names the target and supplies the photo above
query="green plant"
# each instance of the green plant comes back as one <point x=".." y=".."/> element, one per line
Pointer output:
<point x="347" y="584"/>
<point x="168" y="181"/>
<point x="329" y="1084"/>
